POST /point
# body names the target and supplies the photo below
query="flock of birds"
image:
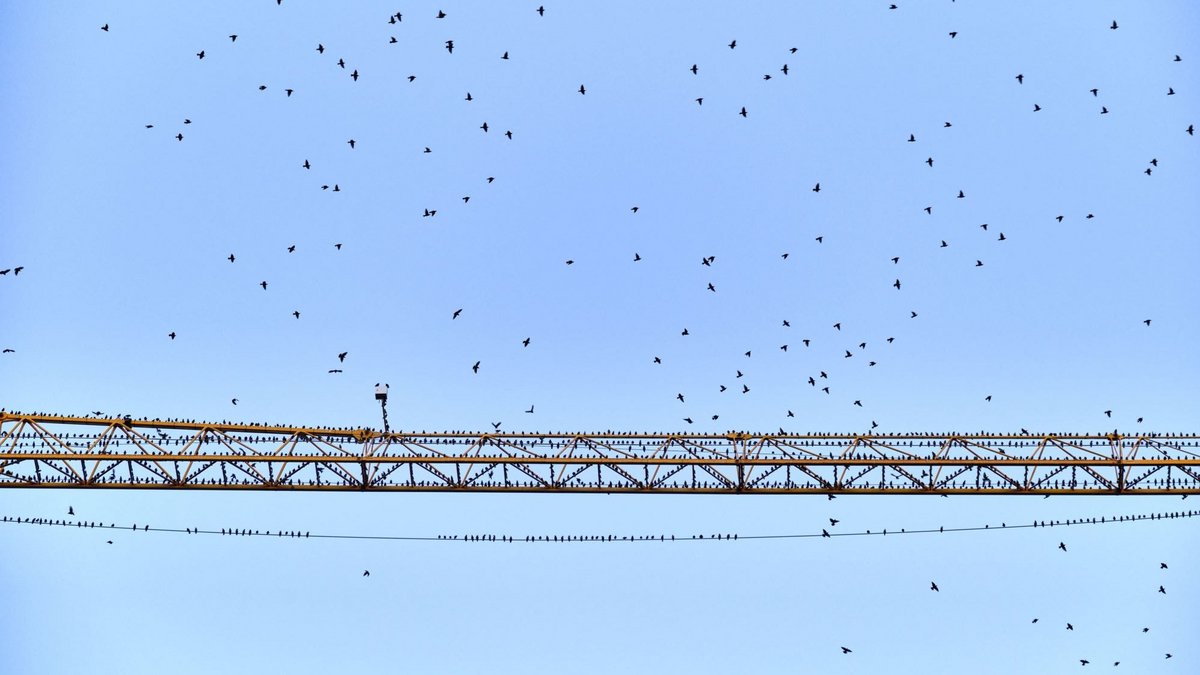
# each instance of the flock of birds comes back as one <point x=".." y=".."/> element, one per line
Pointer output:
<point x="869" y="351"/>
<point x="1068" y="625"/>
<point x="820" y="380"/>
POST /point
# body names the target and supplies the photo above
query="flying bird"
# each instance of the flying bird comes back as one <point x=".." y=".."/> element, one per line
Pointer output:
<point x="582" y="90"/>
<point x="342" y="356"/>
<point x="743" y="112"/>
<point x="933" y="586"/>
<point x="475" y="368"/>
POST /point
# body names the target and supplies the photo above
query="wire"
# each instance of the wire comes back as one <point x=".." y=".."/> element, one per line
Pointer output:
<point x="584" y="539"/>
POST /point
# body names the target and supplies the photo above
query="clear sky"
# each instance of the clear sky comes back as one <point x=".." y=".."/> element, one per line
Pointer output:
<point x="124" y="234"/>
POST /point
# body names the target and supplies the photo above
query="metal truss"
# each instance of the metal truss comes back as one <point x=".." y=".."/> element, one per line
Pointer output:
<point x="50" y="451"/>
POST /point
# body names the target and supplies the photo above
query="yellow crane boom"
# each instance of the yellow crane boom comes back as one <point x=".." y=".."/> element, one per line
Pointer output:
<point x="55" y="451"/>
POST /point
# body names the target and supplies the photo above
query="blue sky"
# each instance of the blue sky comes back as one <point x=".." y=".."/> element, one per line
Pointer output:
<point x="124" y="234"/>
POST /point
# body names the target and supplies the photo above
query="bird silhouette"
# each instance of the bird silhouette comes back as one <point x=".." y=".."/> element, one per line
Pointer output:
<point x="342" y="357"/>
<point x="171" y="335"/>
<point x="525" y="342"/>
<point x="456" y="313"/>
<point x="530" y="411"/>
<point x="264" y="285"/>
<point x="846" y="650"/>
<point x="541" y="11"/>
<point x="1114" y="26"/>
<point x="733" y="44"/>
<point x="933" y="586"/>
<point x="582" y="89"/>
<point x="1063" y="547"/>
<point x="743" y="112"/>
<point x="475" y="368"/>
<point x="366" y="573"/>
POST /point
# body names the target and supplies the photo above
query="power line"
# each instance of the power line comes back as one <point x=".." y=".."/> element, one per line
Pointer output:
<point x="606" y="538"/>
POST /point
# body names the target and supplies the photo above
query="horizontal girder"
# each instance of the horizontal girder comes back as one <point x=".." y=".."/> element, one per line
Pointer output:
<point x="71" y="452"/>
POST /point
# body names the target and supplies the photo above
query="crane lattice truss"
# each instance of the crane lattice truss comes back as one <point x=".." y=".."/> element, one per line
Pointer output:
<point x="85" y="452"/>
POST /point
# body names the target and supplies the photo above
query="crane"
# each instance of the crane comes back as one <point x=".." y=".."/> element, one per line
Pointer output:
<point x="62" y="451"/>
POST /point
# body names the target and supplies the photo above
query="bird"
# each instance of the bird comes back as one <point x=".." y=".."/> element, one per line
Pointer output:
<point x="960" y="194"/>
<point x="484" y="126"/>
<point x="504" y="56"/>
<point x="695" y="69"/>
<point x="105" y="29"/>
<point x="1020" y="79"/>
<point x="366" y="573"/>
<point x="685" y="332"/>
<point x="1103" y="110"/>
<point x="933" y="586"/>
<point x="351" y="143"/>
<point x="496" y="425"/>
<point x="1162" y="590"/>
<point x="70" y="510"/>
<point x="525" y="342"/>
<point x="1084" y="662"/>
<point x="233" y="401"/>
<point x="1191" y="130"/>
<point x="441" y="14"/>
<point x="1063" y="546"/>
<point x="636" y="257"/>
<point x="456" y="313"/>
<point x="475" y="368"/>
<point x="858" y="403"/>
<point x="171" y="335"/>
<point x="837" y="326"/>
<point x="1108" y="413"/>
<point x="743" y="112"/>
<point x="688" y="420"/>
<point x="896" y="260"/>
<point x="320" y="48"/>
<point x="335" y="370"/>
<point x="700" y="101"/>
<point x="306" y="165"/>
<point x="846" y="650"/>
<point x="897" y="284"/>
<point x="1170" y="91"/>
<point x="233" y="38"/>
<point x="979" y="263"/>
<point x="784" y="69"/>
<point x="634" y="209"/>
<point x="530" y="411"/>
<point x="825" y="533"/>
<point x="262" y="87"/>
<point x="680" y="397"/>
<point x="1162" y="565"/>
<point x="817" y="187"/>
<point x="1070" y="627"/>
<point x="342" y="357"/>
<point x="1095" y="92"/>
<point x="912" y="138"/>
<point x="264" y="285"/>
<point x="712" y="288"/>
<point x="953" y="34"/>
<point x="292" y="248"/>
<point x="9" y="351"/>
<point x="179" y="137"/>
<point x="1114" y="26"/>
<point x="570" y="262"/>
<point x="354" y="75"/>
<point x="929" y="161"/>
<point x="658" y="360"/>
<point x="296" y="314"/>
<point x="541" y="10"/>
<point x="450" y="46"/>
<point x="469" y="97"/>
<point x="733" y="44"/>
<point x="200" y="54"/>
<point x="944" y="244"/>
<point x="582" y="90"/>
